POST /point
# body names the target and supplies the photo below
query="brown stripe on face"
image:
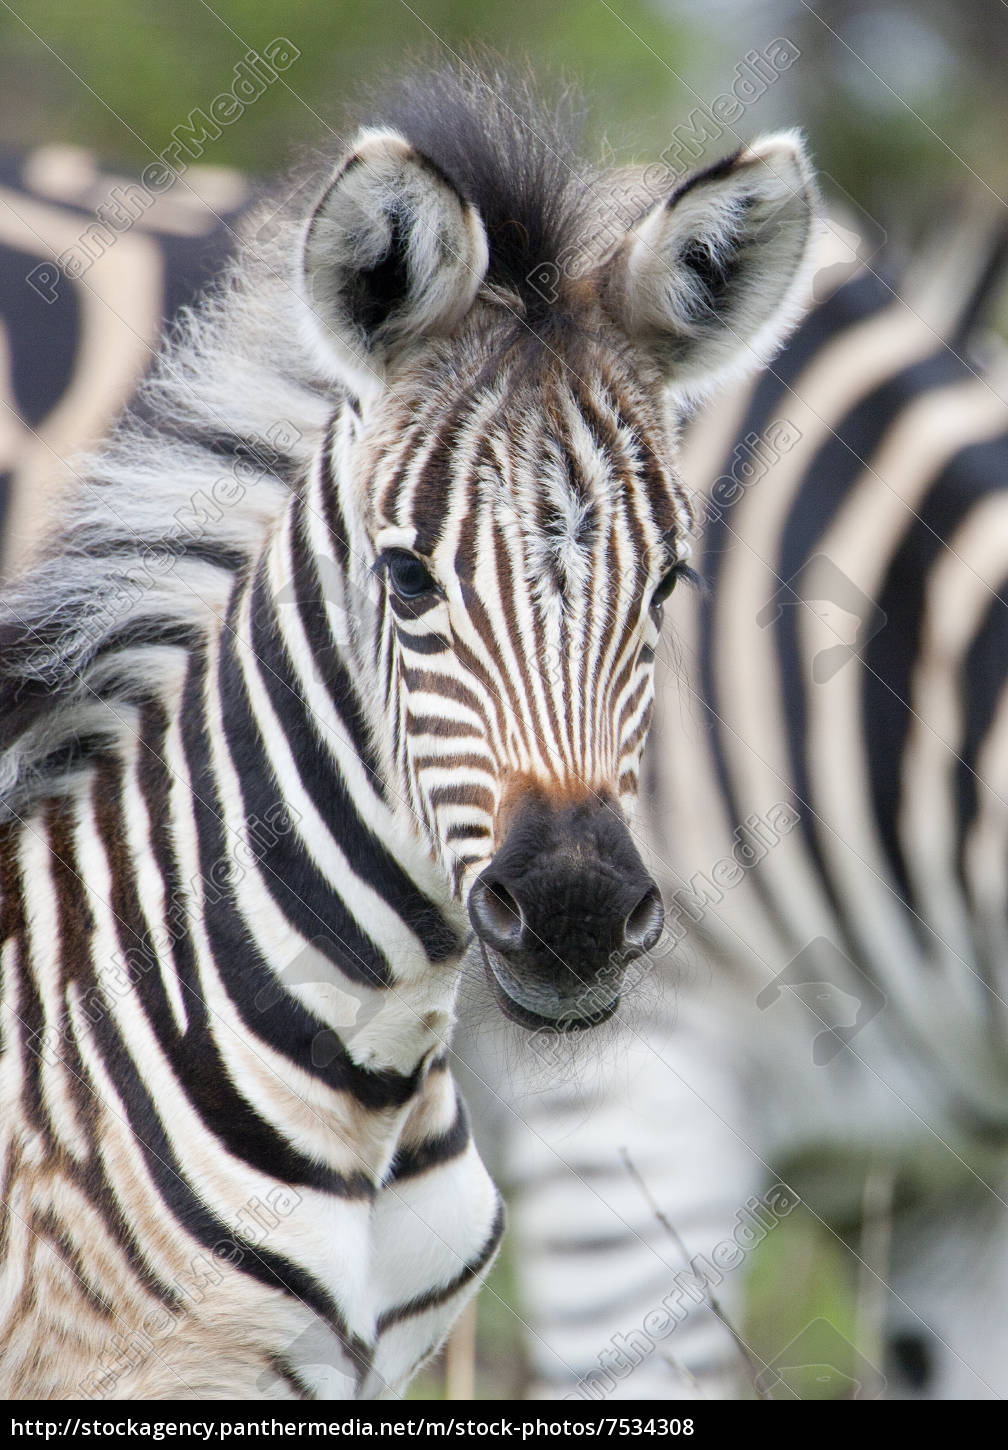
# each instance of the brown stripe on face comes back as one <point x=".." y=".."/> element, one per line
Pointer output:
<point x="618" y="683"/>
<point x="664" y="498"/>
<point x="508" y="587"/>
<point x="481" y="797"/>
<point x="441" y="729"/>
<point x="432" y="497"/>
<point x="628" y="745"/>
<point x="418" y="678"/>
<point x="609" y="655"/>
<point x="464" y="555"/>
<point x="628" y="783"/>
<point x="474" y="665"/>
<point x="387" y="507"/>
<point x="596" y="603"/>
<point x="459" y="761"/>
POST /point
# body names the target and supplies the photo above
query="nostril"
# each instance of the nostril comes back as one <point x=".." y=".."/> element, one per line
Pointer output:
<point x="502" y="909"/>
<point x="642" y="927"/>
<point x="496" y="916"/>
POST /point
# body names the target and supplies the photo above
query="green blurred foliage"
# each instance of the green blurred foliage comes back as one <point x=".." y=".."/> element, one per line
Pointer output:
<point x="119" y="75"/>
<point x="800" y="1273"/>
<point x="904" y="102"/>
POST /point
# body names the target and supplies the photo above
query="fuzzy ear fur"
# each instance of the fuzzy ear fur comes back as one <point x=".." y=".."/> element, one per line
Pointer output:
<point x="710" y="280"/>
<point x="392" y="255"/>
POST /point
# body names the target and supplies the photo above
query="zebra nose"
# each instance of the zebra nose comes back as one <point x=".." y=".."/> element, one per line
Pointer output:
<point x="561" y="909"/>
<point x="499" y="921"/>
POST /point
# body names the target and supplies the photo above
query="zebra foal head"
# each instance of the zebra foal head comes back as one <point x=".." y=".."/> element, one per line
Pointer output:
<point x="506" y="496"/>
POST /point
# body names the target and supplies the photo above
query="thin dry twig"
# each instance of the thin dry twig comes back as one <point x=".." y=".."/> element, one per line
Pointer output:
<point x="876" y="1240"/>
<point x="752" y="1363"/>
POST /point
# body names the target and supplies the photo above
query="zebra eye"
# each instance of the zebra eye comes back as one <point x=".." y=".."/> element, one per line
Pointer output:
<point x="665" y="587"/>
<point x="669" y="581"/>
<point x="408" y="575"/>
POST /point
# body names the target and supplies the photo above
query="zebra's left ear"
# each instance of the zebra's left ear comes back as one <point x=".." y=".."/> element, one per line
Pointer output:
<point x="392" y="255"/>
<point x="710" y="281"/>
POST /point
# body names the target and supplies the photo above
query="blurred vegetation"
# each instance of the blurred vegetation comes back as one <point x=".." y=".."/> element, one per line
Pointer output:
<point x="120" y="74"/>
<point x="905" y="102"/>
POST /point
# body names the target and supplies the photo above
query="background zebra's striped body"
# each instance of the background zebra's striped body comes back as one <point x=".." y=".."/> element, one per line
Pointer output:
<point x="827" y="801"/>
<point x="273" y="736"/>
<point x="73" y="350"/>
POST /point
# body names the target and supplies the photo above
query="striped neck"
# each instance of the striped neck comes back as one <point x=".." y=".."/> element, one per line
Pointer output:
<point x="336" y="908"/>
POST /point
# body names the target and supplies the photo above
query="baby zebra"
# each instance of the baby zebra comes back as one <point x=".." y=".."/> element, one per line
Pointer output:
<point x="275" y="741"/>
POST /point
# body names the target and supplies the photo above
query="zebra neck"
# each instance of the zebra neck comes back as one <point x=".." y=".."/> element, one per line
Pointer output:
<point x="332" y="904"/>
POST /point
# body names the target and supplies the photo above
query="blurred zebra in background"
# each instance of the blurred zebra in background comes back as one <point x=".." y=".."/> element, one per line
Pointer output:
<point x="74" y="345"/>
<point x="826" y="794"/>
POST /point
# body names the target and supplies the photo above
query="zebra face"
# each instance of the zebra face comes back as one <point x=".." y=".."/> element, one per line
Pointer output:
<point x="505" y="478"/>
<point x="522" y="577"/>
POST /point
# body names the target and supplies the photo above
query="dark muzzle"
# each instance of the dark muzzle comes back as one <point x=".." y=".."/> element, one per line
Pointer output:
<point x="561" y="910"/>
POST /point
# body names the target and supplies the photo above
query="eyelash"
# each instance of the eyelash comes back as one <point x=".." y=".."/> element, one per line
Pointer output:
<point x="669" y="582"/>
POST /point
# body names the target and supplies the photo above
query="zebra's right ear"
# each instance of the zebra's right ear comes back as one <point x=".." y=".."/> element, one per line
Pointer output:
<point x="392" y="255"/>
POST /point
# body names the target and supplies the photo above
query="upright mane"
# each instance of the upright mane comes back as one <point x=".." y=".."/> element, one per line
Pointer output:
<point x="514" y="157"/>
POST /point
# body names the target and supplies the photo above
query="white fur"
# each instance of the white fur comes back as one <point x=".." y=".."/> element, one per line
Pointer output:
<point x="382" y="182"/>
<point x="762" y="210"/>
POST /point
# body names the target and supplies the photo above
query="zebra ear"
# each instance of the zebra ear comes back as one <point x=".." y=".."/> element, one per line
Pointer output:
<point x="392" y="255"/>
<point x="710" y="281"/>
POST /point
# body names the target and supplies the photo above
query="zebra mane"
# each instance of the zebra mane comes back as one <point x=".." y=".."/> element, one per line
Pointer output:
<point x="514" y="157"/>
<point x="183" y="495"/>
